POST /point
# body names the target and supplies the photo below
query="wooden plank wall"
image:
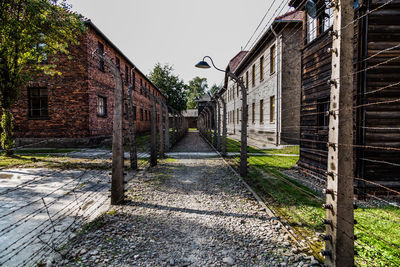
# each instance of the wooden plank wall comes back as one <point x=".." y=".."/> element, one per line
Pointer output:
<point x="382" y="165"/>
<point x="383" y="33"/>
<point x="316" y="70"/>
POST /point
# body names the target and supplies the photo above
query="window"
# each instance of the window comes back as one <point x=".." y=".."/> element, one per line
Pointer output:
<point x="125" y="109"/>
<point x="247" y="79"/>
<point x="100" y="48"/>
<point x="237" y="116"/>
<point x="141" y="85"/>
<point x="133" y="81"/>
<point x="126" y="74"/>
<point x="322" y="22"/>
<point x="261" y="111"/>
<point x="272" y="52"/>
<point x="253" y="113"/>
<point x="261" y="68"/>
<point x="145" y="115"/>
<point x="101" y="106"/>
<point x="117" y="63"/>
<point x="322" y="113"/>
<point x="328" y="17"/>
<point x="253" y="76"/>
<point x="38" y="102"/>
<point x="134" y="113"/>
<point x="311" y="29"/>
<point x="233" y="116"/>
<point x="272" y="109"/>
<point x="141" y="114"/>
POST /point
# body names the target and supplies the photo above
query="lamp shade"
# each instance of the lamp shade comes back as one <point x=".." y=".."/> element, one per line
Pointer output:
<point x="311" y="8"/>
<point x="202" y="65"/>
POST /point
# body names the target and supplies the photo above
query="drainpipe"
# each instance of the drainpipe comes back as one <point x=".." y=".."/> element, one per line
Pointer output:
<point x="277" y="94"/>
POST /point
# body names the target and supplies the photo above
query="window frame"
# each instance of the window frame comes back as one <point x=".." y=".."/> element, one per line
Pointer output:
<point x="118" y="63"/>
<point x="126" y="74"/>
<point x="100" y="47"/>
<point x="104" y="106"/>
<point x="272" y="63"/>
<point x="261" y="68"/>
<point x="40" y="97"/>
<point x="272" y="109"/>
<point x="253" y="75"/>
<point x="253" y="113"/>
<point x="323" y="106"/>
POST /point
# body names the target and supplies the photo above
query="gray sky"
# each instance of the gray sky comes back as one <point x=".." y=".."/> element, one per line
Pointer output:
<point x="179" y="32"/>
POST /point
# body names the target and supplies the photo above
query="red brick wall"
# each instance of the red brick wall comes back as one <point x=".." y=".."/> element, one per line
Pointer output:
<point x="67" y="100"/>
<point x="102" y="83"/>
<point x="73" y="96"/>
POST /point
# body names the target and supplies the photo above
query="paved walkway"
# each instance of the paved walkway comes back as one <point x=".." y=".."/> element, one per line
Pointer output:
<point x="40" y="208"/>
<point x="189" y="211"/>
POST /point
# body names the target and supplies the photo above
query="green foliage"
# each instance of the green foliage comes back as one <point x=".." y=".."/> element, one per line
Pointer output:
<point x="6" y="136"/>
<point x="214" y="89"/>
<point x="172" y="87"/>
<point x="196" y="88"/>
<point x="31" y="33"/>
<point x="377" y="230"/>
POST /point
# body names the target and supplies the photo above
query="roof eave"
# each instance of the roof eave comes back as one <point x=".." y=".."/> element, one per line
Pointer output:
<point x="89" y="22"/>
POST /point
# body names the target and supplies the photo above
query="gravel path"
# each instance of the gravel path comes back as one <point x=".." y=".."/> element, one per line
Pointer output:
<point x="186" y="212"/>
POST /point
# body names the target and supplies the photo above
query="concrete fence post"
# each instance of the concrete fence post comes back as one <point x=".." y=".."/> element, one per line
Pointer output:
<point x="167" y="143"/>
<point x="153" y="129"/>
<point x="224" y="126"/>
<point x="339" y="245"/>
<point x="117" y="174"/>
<point x="161" y="126"/>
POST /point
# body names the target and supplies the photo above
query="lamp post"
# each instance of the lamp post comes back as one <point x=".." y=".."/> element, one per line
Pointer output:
<point x="243" y="140"/>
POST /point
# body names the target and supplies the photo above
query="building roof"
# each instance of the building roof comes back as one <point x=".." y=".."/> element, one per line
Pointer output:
<point x="190" y="113"/>
<point x="290" y="17"/>
<point x="296" y="16"/>
<point x="89" y="23"/>
<point x="235" y="61"/>
<point x="204" y="98"/>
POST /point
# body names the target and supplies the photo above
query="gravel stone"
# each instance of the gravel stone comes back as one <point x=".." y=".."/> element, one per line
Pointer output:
<point x="189" y="211"/>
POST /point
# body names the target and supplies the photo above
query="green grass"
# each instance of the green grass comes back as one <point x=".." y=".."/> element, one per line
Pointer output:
<point x="44" y="151"/>
<point x="234" y="146"/>
<point x="377" y="230"/>
<point x="378" y="234"/>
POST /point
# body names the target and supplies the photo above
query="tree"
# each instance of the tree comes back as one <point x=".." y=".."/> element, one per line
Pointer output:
<point x="31" y="33"/>
<point x="214" y="89"/>
<point x="197" y="87"/>
<point x="172" y="87"/>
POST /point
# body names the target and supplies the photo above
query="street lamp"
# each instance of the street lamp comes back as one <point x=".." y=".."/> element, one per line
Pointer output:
<point x="243" y="140"/>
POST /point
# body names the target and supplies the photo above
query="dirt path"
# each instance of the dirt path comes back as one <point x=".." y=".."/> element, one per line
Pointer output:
<point x="186" y="212"/>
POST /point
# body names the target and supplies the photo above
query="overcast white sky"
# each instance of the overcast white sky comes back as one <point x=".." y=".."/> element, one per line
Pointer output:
<point x="179" y="32"/>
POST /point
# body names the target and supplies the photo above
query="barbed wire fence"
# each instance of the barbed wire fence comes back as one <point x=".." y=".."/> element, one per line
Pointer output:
<point x="369" y="219"/>
<point x="44" y="210"/>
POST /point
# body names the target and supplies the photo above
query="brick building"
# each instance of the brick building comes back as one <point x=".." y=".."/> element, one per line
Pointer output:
<point x="271" y="74"/>
<point x="77" y="106"/>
